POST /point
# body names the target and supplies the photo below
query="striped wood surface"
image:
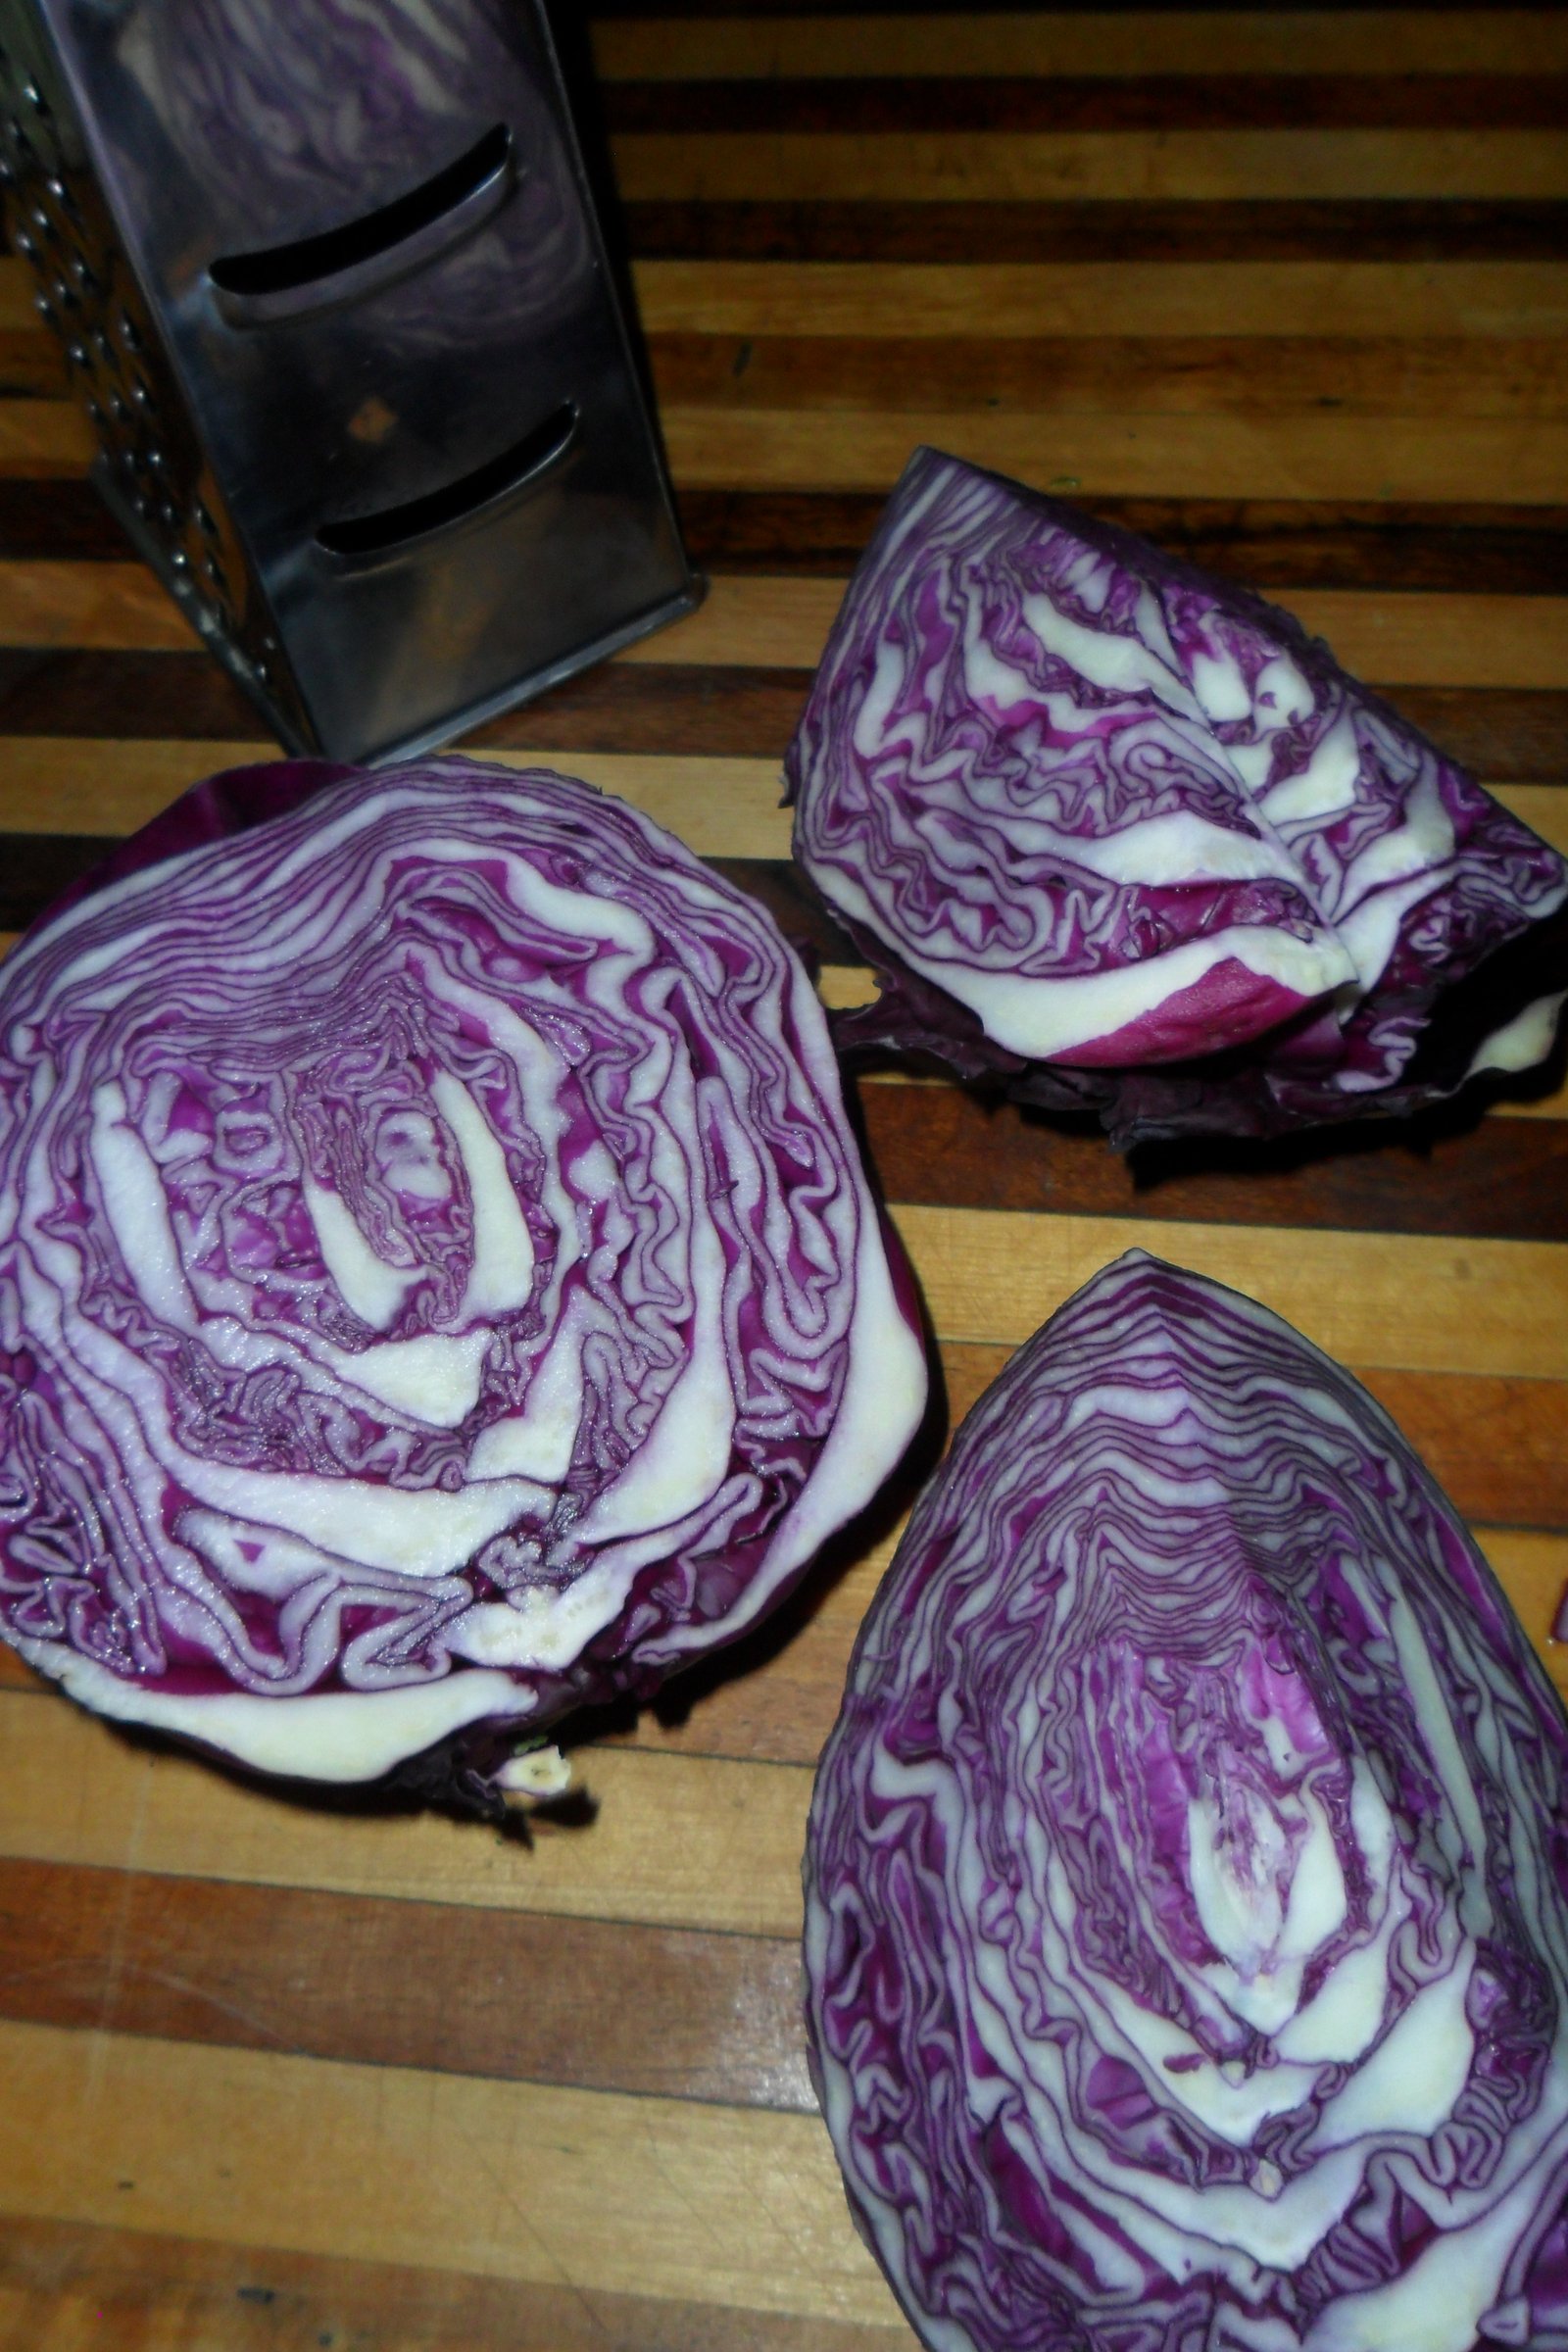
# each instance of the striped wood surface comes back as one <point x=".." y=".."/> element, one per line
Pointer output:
<point x="1289" y="292"/>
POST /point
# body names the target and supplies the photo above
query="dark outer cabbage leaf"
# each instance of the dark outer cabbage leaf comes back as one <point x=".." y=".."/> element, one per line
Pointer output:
<point x="1187" y="1881"/>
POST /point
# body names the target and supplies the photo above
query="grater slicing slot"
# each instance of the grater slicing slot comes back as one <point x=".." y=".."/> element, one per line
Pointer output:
<point x="279" y="284"/>
<point x="376" y="538"/>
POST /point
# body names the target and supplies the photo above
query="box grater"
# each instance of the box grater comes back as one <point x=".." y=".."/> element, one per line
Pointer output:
<point x="329" y="278"/>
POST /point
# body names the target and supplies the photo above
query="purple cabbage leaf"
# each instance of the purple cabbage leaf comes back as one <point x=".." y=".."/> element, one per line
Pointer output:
<point x="438" y="1285"/>
<point x="1128" y="838"/>
<point x="1187" y="1877"/>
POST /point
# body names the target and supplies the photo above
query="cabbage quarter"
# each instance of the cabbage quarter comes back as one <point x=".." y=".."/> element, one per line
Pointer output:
<point x="1187" y="1881"/>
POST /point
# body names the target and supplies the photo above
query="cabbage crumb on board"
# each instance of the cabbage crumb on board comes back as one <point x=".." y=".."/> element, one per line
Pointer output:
<point x="438" y="1284"/>
<point x="1187" y="1876"/>
<point x="1126" y="837"/>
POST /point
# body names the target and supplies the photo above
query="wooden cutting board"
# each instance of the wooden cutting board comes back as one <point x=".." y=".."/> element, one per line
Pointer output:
<point x="1288" y="293"/>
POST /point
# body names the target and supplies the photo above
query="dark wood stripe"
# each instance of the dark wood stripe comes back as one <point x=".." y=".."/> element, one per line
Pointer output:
<point x="1110" y="230"/>
<point x="594" y="2004"/>
<point x="135" y="2292"/>
<point x="644" y="11"/>
<point x="1294" y="542"/>
<point x="1501" y="1179"/>
<point x="1265" y="375"/>
<point x="1288" y="543"/>
<point x="62" y="519"/>
<point x="31" y="363"/>
<point x="707" y="709"/>
<point x="1510" y="735"/>
<point x="1070" y="103"/>
<point x="68" y="691"/>
<point x="35" y="867"/>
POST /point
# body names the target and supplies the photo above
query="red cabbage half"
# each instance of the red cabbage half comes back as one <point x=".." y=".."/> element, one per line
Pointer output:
<point x="1187" y="1880"/>
<point x="1096" y="818"/>
<point x="437" y="1279"/>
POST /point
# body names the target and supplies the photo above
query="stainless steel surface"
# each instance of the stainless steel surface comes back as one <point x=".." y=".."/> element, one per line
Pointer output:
<point x="331" y="282"/>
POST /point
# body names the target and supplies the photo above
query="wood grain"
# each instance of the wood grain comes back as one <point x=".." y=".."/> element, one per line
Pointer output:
<point x="1360" y="297"/>
<point x="1406" y="1301"/>
<point x="1000" y="166"/>
<point x="1389" y="544"/>
<point x="42" y="438"/>
<point x="88" y="604"/>
<point x="951" y="44"/>
<point x="1130" y="454"/>
<point x="1092" y="231"/>
<point x="1442" y="376"/>
<point x="697" y="1840"/>
<point x="877" y="107"/>
<point x="64" y="2285"/>
<point x="530" y="2182"/>
<point x="662" y="2012"/>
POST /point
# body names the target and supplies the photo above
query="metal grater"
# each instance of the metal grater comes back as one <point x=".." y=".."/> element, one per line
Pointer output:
<point x="329" y="278"/>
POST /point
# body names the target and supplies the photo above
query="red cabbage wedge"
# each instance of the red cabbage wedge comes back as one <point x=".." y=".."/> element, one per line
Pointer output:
<point x="437" y="1279"/>
<point x="1187" y="1879"/>
<point x="1129" y="837"/>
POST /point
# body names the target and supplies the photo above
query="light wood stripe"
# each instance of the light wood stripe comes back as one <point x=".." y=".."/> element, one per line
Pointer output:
<point x="76" y="2288"/>
<point x="843" y="986"/>
<point x="519" y="2180"/>
<point x="65" y="784"/>
<point x="1408" y="640"/>
<point x="1370" y="299"/>
<point x="1129" y="298"/>
<point x="1138" y="455"/>
<point x="102" y="607"/>
<point x="1412" y="640"/>
<point x="1115" y="46"/>
<point x="43" y="437"/>
<point x="679" y="1841"/>
<point x="1407" y="1301"/>
<point x="1544" y="807"/>
<point x="1375" y="299"/>
<point x="1024" y="166"/>
<point x="1125" y="376"/>
<point x="1545" y="1107"/>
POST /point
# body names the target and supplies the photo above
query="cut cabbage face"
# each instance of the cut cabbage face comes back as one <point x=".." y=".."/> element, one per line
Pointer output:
<point x="437" y="1279"/>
